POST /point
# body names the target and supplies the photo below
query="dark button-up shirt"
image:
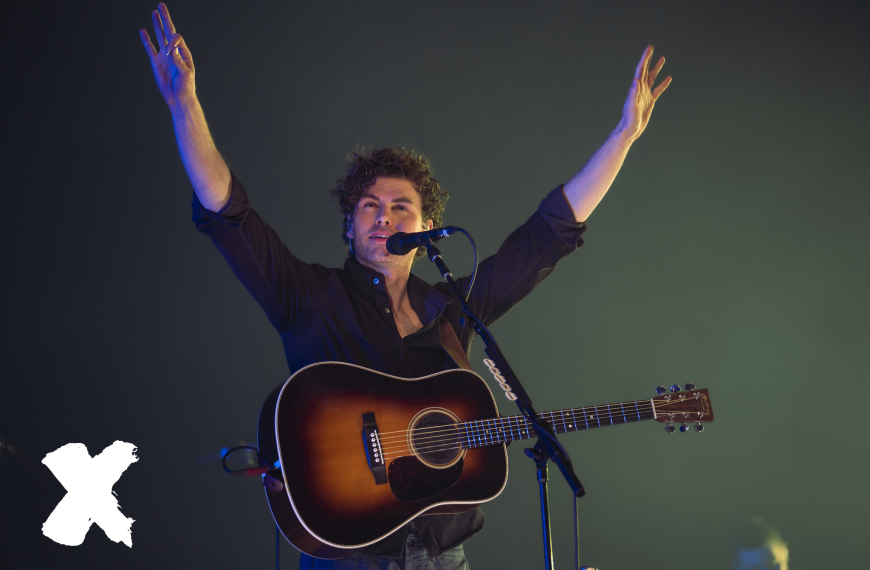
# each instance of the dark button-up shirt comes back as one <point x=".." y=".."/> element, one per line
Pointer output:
<point x="344" y="314"/>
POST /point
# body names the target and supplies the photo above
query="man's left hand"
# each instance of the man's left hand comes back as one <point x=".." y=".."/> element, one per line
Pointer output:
<point x="642" y="97"/>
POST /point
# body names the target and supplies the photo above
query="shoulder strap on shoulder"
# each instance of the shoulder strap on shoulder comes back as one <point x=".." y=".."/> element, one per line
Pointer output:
<point x="451" y="344"/>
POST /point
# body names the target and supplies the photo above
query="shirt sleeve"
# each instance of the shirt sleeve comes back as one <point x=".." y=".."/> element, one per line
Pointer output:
<point x="525" y="258"/>
<point x="280" y="283"/>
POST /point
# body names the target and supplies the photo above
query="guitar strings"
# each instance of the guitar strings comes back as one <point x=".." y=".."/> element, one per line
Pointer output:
<point x="452" y="443"/>
<point x="482" y="433"/>
<point x="490" y="431"/>
<point x="487" y="424"/>
<point x="640" y="403"/>
<point x="646" y="408"/>
<point x="481" y="429"/>
<point x="483" y="439"/>
<point x="488" y="437"/>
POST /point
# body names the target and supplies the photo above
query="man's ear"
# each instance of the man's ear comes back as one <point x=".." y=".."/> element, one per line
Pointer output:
<point x="350" y="227"/>
<point x="427" y="225"/>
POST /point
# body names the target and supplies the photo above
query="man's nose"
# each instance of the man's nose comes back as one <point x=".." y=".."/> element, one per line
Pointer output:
<point x="384" y="218"/>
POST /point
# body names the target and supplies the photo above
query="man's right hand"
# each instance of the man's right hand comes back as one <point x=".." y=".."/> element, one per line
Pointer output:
<point x="173" y="70"/>
<point x="171" y="61"/>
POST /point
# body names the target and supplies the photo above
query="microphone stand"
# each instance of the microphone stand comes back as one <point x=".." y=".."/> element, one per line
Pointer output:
<point x="547" y="447"/>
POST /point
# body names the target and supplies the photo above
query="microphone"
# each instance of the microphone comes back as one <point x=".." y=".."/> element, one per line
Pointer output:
<point x="401" y="243"/>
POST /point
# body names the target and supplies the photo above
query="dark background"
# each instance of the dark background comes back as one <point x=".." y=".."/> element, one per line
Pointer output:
<point x="730" y="252"/>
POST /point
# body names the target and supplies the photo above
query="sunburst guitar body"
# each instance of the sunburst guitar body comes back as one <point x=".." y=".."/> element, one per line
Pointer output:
<point x="363" y="453"/>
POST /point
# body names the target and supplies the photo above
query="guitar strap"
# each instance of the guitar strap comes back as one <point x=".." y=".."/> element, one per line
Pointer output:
<point x="451" y="344"/>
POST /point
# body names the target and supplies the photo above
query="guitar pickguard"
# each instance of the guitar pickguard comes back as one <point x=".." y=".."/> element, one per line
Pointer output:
<point x="411" y="480"/>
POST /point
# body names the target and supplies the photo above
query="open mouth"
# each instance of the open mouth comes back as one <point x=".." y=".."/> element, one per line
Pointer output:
<point x="380" y="237"/>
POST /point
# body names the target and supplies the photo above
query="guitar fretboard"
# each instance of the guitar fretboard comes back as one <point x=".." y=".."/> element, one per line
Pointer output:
<point x="512" y="428"/>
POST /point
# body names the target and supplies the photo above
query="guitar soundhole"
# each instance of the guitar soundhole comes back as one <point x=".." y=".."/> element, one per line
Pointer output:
<point x="433" y="437"/>
<point x="436" y="463"/>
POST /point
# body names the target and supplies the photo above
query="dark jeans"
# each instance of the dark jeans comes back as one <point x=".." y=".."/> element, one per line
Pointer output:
<point x="416" y="558"/>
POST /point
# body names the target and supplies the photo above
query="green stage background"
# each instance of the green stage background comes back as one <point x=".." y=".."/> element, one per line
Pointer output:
<point x="731" y="252"/>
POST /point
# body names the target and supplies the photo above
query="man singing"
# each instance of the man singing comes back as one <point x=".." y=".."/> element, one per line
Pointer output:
<point x="373" y="312"/>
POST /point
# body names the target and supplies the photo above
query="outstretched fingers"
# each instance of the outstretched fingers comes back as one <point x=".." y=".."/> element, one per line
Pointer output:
<point x="641" y="72"/>
<point x="168" y="26"/>
<point x="146" y="41"/>
<point x="655" y="71"/>
<point x="661" y="88"/>
<point x="158" y="29"/>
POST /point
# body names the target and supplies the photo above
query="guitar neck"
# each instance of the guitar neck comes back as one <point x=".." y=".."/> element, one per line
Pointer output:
<point x="512" y="428"/>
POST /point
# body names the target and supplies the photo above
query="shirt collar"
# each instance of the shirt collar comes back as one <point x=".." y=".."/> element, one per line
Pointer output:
<point x="427" y="301"/>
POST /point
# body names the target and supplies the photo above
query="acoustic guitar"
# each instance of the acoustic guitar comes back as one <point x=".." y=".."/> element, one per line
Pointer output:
<point x="362" y="453"/>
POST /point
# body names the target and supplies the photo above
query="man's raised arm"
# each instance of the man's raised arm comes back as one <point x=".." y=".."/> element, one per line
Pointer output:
<point x="174" y="72"/>
<point x="586" y="189"/>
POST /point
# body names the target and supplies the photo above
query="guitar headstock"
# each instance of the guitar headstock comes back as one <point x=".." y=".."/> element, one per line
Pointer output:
<point x="683" y="407"/>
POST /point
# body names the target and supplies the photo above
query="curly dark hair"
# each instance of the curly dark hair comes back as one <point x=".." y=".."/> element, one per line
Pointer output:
<point x="363" y="170"/>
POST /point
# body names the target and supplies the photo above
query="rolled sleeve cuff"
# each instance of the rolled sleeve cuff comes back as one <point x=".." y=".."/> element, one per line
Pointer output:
<point x="233" y="212"/>
<point x="559" y="214"/>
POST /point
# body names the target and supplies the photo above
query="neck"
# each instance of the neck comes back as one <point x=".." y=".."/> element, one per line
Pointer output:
<point x="395" y="280"/>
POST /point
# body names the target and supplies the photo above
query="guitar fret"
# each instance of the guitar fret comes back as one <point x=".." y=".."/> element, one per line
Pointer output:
<point x="511" y="429"/>
<point x="476" y="433"/>
<point x="467" y="435"/>
<point x="638" y="410"/>
<point x="621" y="407"/>
<point x="576" y="427"/>
<point x="482" y="432"/>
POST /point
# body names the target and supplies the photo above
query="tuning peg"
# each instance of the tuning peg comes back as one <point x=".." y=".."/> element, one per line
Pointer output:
<point x="675" y="388"/>
<point x="669" y="428"/>
<point x="699" y="428"/>
<point x="684" y="428"/>
<point x="690" y="386"/>
<point x="661" y="390"/>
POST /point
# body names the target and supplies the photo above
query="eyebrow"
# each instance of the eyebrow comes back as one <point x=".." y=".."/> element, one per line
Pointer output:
<point x="397" y="200"/>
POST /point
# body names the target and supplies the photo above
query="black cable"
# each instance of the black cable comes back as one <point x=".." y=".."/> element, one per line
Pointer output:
<point x="261" y="461"/>
<point x="474" y="271"/>
<point x="576" y="535"/>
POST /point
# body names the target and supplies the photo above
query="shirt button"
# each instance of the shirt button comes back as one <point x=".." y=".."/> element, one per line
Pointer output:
<point x="386" y="310"/>
<point x="377" y="280"/>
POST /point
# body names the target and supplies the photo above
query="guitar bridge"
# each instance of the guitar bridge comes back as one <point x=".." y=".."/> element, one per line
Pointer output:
<point x="374" y="452"/>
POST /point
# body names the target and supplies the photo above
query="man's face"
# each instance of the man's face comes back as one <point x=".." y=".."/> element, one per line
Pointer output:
<point x="391" y="205"/>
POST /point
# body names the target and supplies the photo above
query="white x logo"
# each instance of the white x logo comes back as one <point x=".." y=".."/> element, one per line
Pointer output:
<point x="89" y="499"/>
